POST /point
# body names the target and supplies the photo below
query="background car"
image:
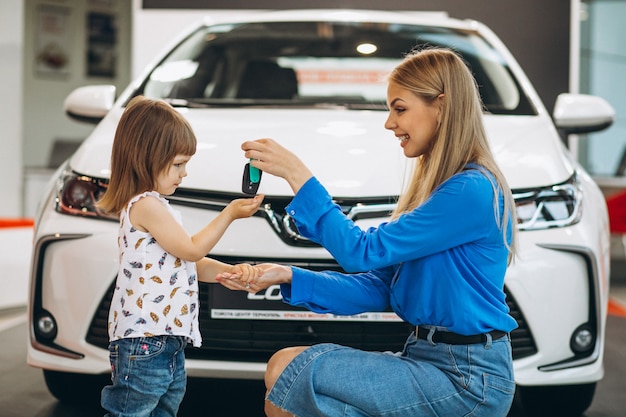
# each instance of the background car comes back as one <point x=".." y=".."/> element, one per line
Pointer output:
<point x="314" y="80"/>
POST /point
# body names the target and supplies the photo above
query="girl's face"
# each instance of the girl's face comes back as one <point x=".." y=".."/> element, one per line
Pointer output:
<point x="173" y="175"/>
<point x="413" y="121"/>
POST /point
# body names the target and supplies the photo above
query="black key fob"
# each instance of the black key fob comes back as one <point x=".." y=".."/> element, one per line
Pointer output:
<point x="251" y="179"/>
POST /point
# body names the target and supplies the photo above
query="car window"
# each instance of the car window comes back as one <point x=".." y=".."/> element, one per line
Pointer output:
<point x="317" y="63"/>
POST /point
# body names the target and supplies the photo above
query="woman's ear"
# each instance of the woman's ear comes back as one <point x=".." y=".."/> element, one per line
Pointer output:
<point x="440" y="99"/>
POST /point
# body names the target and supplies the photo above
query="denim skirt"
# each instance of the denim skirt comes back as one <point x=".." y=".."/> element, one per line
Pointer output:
<point x="425" y="379"/>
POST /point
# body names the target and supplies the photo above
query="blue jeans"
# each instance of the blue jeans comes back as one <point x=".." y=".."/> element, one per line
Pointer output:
<point x="425" y="379"/>
<point x="148" y="375"/>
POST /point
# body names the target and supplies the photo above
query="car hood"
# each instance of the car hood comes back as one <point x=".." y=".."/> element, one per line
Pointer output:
<point x="349" y="151"/>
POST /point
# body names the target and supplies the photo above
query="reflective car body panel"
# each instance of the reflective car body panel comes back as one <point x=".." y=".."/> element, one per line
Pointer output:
<point x="527" y="149"/>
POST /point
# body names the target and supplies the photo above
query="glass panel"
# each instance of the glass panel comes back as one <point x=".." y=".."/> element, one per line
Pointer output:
<point x="317" y="63"/>
<point x="603" y="65"/>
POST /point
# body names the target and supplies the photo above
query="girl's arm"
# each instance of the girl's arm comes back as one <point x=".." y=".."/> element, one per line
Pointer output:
<point x="208" y="269"/>
<point x="151" y="215"/>
<point x="272" y="274"/>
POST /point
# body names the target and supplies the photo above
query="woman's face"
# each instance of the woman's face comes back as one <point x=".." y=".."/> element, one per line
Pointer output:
<point x="413" y="121"/>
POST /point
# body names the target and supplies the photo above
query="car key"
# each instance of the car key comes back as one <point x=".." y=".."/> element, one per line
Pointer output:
<point x="251" y="179"/>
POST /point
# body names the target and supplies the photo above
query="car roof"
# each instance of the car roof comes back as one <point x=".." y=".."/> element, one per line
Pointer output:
<point x="430" y="18"/>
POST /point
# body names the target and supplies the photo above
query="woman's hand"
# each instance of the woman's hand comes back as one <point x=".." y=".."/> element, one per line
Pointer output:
<point x="266" y="276"/>
<point x="270" y="157"/>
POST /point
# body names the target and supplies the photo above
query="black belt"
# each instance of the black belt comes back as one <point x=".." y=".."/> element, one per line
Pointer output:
<point x="458" y="339"/>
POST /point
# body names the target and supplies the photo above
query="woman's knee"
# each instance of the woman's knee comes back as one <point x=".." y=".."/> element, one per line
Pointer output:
<point x="278" y="362"/>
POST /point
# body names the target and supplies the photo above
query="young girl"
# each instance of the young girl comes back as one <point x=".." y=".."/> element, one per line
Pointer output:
<point x="439" y="263"/>
<point x="154" y="310"/>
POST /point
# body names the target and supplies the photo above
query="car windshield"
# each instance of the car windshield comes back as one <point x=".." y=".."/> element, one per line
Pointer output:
<point x="317" y="64"/>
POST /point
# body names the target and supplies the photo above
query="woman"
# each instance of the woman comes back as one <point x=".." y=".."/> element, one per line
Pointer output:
<point x="439" y="263"/>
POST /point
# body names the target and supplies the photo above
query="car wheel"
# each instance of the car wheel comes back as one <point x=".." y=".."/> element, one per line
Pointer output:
<point x="75" y="388"/>
<point x="557" y="401"/>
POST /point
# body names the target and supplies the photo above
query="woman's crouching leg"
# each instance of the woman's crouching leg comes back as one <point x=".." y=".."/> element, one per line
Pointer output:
<point x="275" y="366"/>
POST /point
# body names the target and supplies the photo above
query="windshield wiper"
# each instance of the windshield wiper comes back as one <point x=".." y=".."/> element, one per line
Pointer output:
<point x="274" y="103"/>
<point x="183" y="102"/>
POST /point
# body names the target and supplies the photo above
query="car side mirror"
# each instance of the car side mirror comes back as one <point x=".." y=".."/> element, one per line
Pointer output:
<point x="582" y="113"/>
<point x="90" y="103"/>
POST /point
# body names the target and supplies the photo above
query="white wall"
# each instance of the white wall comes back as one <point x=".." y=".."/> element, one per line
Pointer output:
<point x="44" y="119"/>
<point x="11" y="45"/>
<point x="155" y="30"/>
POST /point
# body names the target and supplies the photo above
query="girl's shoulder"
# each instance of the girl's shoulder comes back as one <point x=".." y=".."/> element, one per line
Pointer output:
<point x="146" y="202"/>
<point x="151" y="203"/>
<point x="148" y="207"/>
<point x="141" y="197"/>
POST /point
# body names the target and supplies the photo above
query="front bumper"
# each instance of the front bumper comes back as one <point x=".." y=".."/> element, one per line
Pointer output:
<point x="554" y="287"/>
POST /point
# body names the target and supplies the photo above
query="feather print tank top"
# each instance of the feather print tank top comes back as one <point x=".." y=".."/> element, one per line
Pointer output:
<point x="155" y="292"/>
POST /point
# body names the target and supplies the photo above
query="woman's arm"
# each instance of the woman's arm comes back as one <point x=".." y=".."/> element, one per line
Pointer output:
<point x="459" y="212"/>
<point x="324" y="291"/>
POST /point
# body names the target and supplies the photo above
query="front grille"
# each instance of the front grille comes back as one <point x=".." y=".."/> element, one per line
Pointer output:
<point x="273" y="210"/>
<point x="257" y="340"/>
<point x="522" y="341"/>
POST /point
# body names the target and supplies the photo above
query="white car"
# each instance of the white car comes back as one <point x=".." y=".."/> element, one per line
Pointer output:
<point x="314" y="80"/>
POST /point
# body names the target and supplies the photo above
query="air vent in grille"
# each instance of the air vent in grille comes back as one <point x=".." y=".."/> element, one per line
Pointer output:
<point x="522" y="341"/>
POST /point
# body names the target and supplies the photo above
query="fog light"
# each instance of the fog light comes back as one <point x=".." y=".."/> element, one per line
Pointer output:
<point x="46" y="326"/>
<point x="583" y="339"/>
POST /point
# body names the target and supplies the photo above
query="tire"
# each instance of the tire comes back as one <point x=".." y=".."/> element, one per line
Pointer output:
<point x="75" y="388"/>
<point x="557" y="401"/>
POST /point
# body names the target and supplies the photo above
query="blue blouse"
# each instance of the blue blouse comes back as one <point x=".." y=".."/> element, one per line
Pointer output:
<point x="442" y="264"/>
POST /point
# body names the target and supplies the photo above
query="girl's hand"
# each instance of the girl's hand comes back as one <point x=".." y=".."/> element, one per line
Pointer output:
<point x="269" y="156"/>
<point x="244" y="207"/>
<point x="246" y="273"/>
<point x="267" y="275"/>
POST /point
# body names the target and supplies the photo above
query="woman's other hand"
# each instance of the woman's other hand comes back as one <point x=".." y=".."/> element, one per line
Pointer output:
<point x="266" y="276"/>
<point x="246" y="273"/>
<point x="270" y="157"/>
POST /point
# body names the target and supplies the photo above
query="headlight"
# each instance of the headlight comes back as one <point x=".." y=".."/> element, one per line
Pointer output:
<point x="77" y="195"/>
<point x="553" y="206"/>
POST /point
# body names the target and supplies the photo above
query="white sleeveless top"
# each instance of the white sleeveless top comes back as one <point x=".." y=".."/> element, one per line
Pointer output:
<point x="155" y="292"/>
